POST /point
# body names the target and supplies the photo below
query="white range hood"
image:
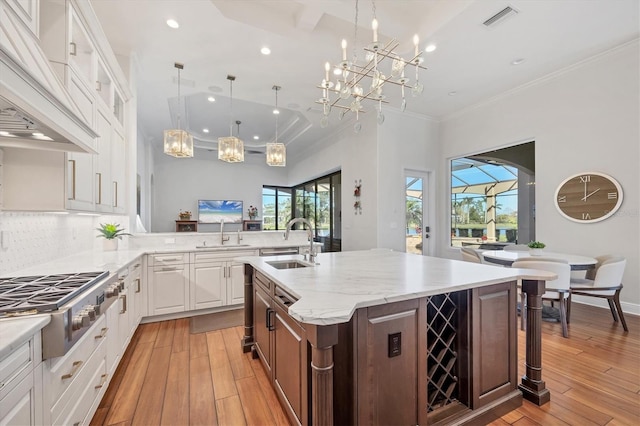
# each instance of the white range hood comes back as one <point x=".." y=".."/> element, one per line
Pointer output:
<point x="32" y="98"/>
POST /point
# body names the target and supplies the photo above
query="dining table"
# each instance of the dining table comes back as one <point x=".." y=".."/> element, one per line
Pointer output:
<point x="506" y="258"/>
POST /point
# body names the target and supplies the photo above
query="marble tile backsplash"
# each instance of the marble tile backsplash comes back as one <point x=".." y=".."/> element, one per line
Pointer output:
<point x="27" y="239"/>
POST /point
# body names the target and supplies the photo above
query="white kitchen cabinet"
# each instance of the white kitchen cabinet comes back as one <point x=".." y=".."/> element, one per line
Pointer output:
<point x="19" y="406"/>
<point x="208" y="285"/>
<point x="118" y="169"/>
<point x="70" y="384"/>
<point x="102" y="163"/>
<point x="124" y="317"/>
<point x="82" y="59"/>
<point x="80" y="178"/>
<point x="216" y="279"/>
<point x="137" y="304"/>
<point x="111" y="334"/>
<point x="235" y="283"/>
<point x="168" y="283"/>
<point x="21" y="384"/>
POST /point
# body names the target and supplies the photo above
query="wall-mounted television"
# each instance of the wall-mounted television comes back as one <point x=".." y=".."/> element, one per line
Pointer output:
<point x="215" y="211"/>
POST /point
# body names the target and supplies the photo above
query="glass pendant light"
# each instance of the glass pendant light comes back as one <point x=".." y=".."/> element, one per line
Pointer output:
<point x="276" y="151"/>
<point x="177" y="142"/>
<point x="231" y="149"/>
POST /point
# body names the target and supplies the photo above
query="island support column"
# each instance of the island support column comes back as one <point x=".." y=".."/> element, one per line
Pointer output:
<point x="322" y="339"/>
<point x="533" y="387"/>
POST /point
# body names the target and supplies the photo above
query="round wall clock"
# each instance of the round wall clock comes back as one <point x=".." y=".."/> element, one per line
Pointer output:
<point x="588" y="197"/>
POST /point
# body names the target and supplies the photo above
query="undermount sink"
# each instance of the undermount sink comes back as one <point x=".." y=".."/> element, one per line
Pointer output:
<point x="287" y="264"/>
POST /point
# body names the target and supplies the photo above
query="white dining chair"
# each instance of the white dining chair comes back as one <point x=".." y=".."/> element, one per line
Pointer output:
<point x="470" y="255"/>
<point x="516" y="247"/>
<point x="557" y="290"/>
<point x="604" y="281"/>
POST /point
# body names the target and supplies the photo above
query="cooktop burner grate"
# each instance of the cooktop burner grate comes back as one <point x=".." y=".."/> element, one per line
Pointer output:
<point x="44" y="293"/>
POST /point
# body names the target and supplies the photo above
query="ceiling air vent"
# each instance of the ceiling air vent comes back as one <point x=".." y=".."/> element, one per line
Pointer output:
<point x="501" y="16"/>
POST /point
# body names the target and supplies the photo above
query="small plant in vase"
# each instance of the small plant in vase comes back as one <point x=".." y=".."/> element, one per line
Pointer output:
<point x="535" y="248"/>
<point x="252" y="212"/>
<point x="111" y="232"/>
<point x="186" y="215"/>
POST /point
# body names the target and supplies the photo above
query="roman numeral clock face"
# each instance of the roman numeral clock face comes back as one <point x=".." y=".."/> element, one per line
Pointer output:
<point x="588" y="197"/>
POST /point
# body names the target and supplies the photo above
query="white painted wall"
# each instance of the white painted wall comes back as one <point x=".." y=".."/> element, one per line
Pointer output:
<point x="355" y="155"/>
<point x="585" y="118"/>
<point x="405" y="142"/>
<point x="377" y="155"/>
<point x="179" y="183"/>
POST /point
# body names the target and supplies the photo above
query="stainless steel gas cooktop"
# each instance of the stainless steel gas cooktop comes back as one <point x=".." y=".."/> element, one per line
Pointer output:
<point x="35" y="294"/>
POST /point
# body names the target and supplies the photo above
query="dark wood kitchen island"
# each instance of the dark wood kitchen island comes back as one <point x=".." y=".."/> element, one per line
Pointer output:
<point x="380" y="337"/>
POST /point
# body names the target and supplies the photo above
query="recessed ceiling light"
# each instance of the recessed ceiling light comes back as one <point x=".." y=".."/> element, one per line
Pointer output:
<point x="430" y="48"/>
<point x="3" y="133"/>
<point x="265" y="51"/>
<point x="205" y="130"/>
<point x="173" y="23"/>
<point x="211" y="99"/>
<point x="453" y="93"/>
<point x="276" y="111"/>
<point x="37" y="134"/>
<point x="517" y="61"/>
<point x="256" y="137"/>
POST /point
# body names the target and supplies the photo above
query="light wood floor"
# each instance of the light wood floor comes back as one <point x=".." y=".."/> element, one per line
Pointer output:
<point x="168" y="376"/>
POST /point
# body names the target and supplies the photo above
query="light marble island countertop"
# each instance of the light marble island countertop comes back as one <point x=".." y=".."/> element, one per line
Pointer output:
<point x="331" y="291"/>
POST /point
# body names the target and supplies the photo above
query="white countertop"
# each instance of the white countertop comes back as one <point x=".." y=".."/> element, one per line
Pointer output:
<point x="330" y="292"/>
<point x="16" y="331"/>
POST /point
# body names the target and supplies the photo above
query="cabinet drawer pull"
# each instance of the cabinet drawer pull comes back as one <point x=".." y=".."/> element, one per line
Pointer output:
<point x="115" y="194"/>
<point x="103" y="380"/>
<point x="124" y="303"/>
<point x="103" y="332"/>
<point x="174" y="268"/>
<point x="72" y="49"/>
<point x="167" y="259"/>
<point x="137" y="285"/>
<point x="74" y="370"/>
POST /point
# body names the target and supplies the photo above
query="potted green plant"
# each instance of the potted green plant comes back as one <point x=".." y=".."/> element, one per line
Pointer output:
<point x="111" y="232"/>
<point x="535" y="248"/>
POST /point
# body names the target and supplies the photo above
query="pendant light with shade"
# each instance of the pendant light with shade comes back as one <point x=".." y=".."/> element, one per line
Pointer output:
<point x="231" y="148"/>
<point x="276" y="151"/>
<point x="177" y="142"/>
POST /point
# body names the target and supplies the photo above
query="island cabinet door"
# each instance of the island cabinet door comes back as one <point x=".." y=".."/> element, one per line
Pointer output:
<point x="289" y="365"/>
<point x="262" y="318"/>
<point x="388" y="339"/>
<point x="494" y="346"/>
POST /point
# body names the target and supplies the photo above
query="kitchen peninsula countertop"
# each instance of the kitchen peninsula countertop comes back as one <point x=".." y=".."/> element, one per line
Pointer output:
<point x="331" y="291"/>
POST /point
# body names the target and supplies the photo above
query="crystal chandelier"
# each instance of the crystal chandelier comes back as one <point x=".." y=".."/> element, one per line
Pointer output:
<point x="231" y="149"/>
<point x="365" y="81"/>
<point x="178" y="143"/>
<point x="276" y="151"/>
